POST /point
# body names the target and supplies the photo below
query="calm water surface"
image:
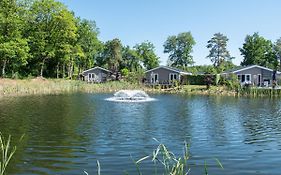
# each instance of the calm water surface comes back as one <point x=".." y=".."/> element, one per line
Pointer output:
<point x="66" y="134"/>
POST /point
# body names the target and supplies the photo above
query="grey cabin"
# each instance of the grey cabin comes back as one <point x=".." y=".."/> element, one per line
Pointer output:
<point x="96" y="75"/>
<point x="164" y="75"/>
<point x="255" y="75"/>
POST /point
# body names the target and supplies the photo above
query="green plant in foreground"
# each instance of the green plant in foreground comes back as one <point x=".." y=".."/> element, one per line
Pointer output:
<point x="172" y="164"/>
<point x="6" y="154"/>
<point x="169" y="163"/>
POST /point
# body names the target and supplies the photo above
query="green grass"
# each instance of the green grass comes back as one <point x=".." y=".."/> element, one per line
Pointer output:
<point x="7" y="152"/>
<point x="10" y="87"/>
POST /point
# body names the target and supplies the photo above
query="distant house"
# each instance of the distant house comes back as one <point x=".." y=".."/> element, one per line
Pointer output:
<point x="164" y="75"/>
<point x="96" y="74"/>
<point x="255" y="75"/>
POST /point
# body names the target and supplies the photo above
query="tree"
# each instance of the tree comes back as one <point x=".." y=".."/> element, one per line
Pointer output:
<point x="146" y="53"/>
<point x="13" y="47"/>
<point x="112" y="55"/>
<point x="51" y="28"/>
<point x="258" y="50"/>
<point x="89" y="43"/>
<point x="218" y="52"/>
<point x="277" y="50"/>
<point x="131" y="59"/>
<point x="180" y="47"/>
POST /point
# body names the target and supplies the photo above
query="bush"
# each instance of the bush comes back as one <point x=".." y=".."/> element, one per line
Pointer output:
<point x="231" y="82"/>
<point x="135" y="77"/>
<point x="124" y="72"/>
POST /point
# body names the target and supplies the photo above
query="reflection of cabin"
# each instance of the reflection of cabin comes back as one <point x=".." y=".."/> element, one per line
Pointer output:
<point x="96" y="74"/>
<point x="164" y="75"/>
<point x="254" y="75"/>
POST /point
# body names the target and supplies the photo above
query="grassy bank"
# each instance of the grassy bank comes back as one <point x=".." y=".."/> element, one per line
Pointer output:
<point x="9" y="87"/>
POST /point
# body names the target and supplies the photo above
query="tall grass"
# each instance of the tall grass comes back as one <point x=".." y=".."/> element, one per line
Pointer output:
<point x="166" y="162"/>
<point x="10" y="87"/>
<point x="260" y="92"/>
<point x="7" y="152"/>
<point x="170" y="163"/>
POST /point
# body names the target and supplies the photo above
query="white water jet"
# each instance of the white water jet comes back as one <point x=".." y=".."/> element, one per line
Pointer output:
<point x="130" y="96"/>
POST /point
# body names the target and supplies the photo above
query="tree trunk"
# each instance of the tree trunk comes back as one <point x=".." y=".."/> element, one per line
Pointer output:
<point x="63" y="70"/>
<point x="68" y="69"/>
<point x="42" y="67"/>
<point x="79" y="69"/>
<point x="4" y="68"/>
<point x="58" y="66"/>
<point x="72" y="70"/>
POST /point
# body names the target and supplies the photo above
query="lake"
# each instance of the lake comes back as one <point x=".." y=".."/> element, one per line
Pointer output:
<point x="67" y="134"/>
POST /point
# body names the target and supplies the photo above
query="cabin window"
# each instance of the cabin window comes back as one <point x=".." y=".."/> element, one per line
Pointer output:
<point x="242" y="78"/>
<point x="91" y="76"/>
<point x="154" y="78"/>
<point x="248" y="77"/>
<point x="173" y="77"/>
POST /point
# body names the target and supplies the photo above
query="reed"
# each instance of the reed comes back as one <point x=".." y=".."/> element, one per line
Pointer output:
<point x="260" y="92"/>
<point x="40" y="86"/>
<point x="170" y="164"/>
<point x="7" y="152"/>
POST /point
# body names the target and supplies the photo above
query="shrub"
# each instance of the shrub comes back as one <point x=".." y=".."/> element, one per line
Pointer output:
<point x="135" y="77"/>
<point x="231" y="82"/>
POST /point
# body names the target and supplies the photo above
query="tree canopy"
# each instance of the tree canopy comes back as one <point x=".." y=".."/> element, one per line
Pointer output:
<point x="277" y="51"/>
<point x="258" y="50"/>
<point x="146" y="52"/>
<point x="218" y="51"/>
<point x="179" y="48"/>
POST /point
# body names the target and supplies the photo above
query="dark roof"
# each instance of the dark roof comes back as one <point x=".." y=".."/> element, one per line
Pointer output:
<point x="241" y="68"/>
<point x="97" y="67"/>
<point x="170" y="68"/>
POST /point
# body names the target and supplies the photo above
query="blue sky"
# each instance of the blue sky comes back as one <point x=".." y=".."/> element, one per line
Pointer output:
<point x="135" y="21"/>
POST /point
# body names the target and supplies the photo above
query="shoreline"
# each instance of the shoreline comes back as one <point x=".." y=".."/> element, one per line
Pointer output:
<point x="42" y="86"/>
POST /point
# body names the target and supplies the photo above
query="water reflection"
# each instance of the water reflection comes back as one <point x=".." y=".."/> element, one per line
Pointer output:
<point x="66" y="134"/>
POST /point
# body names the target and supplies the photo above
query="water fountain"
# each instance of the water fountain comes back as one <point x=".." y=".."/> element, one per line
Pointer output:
<point x="130" y="96"/>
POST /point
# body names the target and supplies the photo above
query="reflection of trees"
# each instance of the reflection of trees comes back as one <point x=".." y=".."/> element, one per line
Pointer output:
<point x="52" y="128"/>
<point x="223" y="119"/>
<point x="261" y="120"/>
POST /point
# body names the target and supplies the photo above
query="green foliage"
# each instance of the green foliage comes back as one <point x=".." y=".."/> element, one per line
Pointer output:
<point x="277" y="51"/>
<point x="194" y="79"/>
<point x="258" y="50"/>
<point x="89" y="43"/>
<point x="131" y="59"/>
<point x="231" y="81"/>
<point x="13" y="47"/>
<point x="218" y="52"/>
<point x="111" y="55"/>
<point x="180" y="47"/>
<point x="52" y="32"/>
<point x="135" y="76"/>
<point x="124" y="72"/>
<point x="6" y="153"/>
<point x="202" y="69"/>
<point x="209" y="80"/>
<point x="146" y="52"/>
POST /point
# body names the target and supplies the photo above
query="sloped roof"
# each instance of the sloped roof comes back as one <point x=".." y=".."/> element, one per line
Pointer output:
<point x="97" y="67"/>
<point x="171" y="69"/>
<point x="241" y="68"/>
